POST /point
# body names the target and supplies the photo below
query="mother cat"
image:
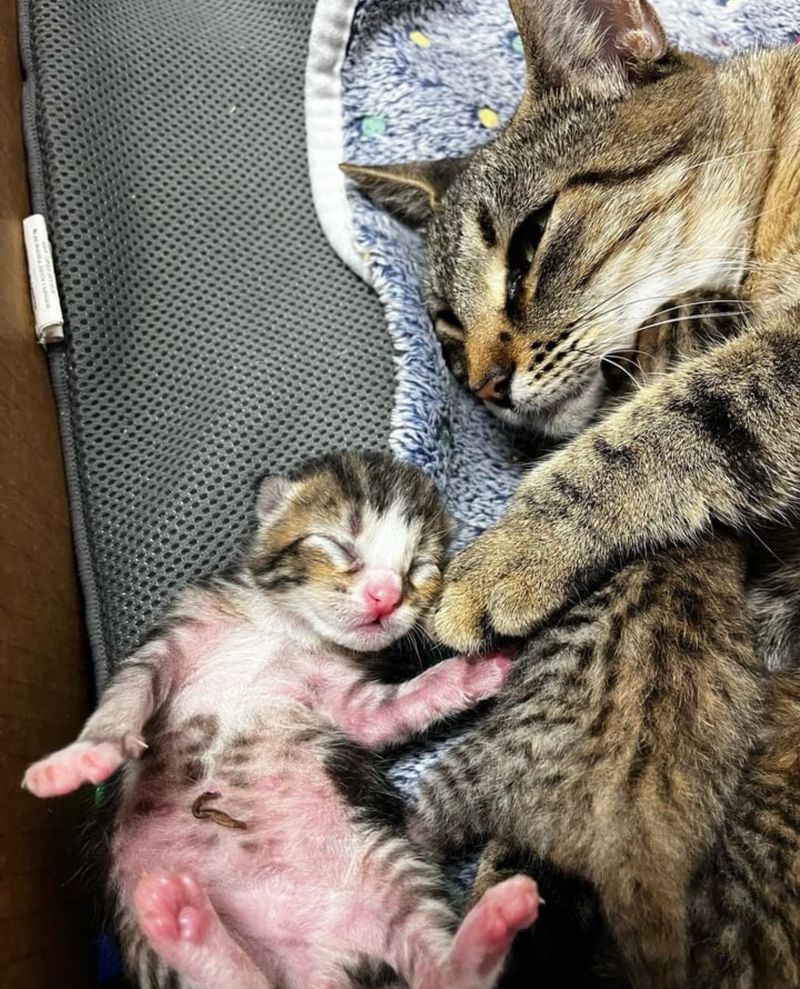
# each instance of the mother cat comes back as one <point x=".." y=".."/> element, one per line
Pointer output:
<point x="630" y="176"/>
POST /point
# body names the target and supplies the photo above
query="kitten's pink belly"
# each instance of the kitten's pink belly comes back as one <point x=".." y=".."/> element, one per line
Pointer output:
<point x="294" y="855"/>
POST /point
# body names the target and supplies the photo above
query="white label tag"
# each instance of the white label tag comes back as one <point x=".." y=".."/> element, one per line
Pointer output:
<point x="44" y="291"/>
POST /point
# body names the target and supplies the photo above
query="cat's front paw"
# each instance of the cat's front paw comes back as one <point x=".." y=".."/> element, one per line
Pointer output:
<point x="498" y="585"/>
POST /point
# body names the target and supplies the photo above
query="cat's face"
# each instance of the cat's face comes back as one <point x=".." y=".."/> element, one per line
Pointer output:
<point x="549" y="247"/>
<point x="354" y="547"/>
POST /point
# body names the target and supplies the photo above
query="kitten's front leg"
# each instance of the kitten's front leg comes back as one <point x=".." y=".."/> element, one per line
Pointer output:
<point x="376" y="714"/>
<point x="113" y="734"/>
<point x="717" y="440"/>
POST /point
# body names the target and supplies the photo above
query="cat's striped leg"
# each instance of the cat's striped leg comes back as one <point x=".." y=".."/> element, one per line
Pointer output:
<point x="455" y="806"/>
<point x="422" y="940"/>
<point x="485" y="937"/>
<point x="475" y="957"/>
<point x="494" y="867"/>
<point x="717" y="440"/>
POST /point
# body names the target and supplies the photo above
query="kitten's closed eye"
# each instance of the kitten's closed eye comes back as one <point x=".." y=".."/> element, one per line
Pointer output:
<point x="423" y="571"/>
<point x="344" y="557"/>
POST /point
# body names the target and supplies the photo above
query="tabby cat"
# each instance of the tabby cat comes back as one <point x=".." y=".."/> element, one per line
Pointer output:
<point x="630" y="718"/>
<point x="630" y="175"/>
<point x="609" y="717"/>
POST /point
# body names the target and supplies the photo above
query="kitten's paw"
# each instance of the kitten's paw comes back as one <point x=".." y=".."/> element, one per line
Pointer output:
<point x="483" y="940"/>
<point x="485" y="675"/>
<point x="177" y="918"/>
<point x="79" y="763"/>
<point x="173" y="909"/>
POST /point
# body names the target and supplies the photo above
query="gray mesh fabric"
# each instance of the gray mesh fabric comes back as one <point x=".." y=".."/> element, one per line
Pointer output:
<point x="212" y="334"/>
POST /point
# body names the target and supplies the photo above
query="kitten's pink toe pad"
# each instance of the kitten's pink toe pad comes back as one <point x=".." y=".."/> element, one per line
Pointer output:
<point x="172" y="908"/>
<point x="510" y="907"/>
<point x="491" y="925"/>
<point x="486" y="676"/>
<point x="79" y="763"/>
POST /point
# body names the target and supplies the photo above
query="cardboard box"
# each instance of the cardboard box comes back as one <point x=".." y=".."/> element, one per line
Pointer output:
<point x="46" y="925"/>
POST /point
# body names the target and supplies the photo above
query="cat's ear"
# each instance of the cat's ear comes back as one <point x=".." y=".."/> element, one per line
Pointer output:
<point x="597" y="46"/>
<point x="411" y="191"/>
<point x="273" y="493"/>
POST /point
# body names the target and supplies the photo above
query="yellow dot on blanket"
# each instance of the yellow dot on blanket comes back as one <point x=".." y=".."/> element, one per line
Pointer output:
<point x="488" y="117"/>
<point x="420" y="39"/>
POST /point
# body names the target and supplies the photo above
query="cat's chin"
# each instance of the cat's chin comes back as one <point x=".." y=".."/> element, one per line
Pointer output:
<point x="561" y="420"/>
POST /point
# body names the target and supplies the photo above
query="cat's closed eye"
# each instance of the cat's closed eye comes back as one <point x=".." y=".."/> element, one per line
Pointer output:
<point x="448" y="325"/>
<point x="422" y="571"/>
<point x="522" y="248"/>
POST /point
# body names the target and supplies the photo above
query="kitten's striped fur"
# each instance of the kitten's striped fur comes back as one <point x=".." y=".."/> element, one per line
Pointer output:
<point x="257" y="842"/>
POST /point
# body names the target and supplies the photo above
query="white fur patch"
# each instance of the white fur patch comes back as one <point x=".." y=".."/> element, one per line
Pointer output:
<point x="387" y="541"/>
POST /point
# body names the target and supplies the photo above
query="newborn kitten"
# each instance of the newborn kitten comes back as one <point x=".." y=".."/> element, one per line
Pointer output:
<point x="257" y="842"/>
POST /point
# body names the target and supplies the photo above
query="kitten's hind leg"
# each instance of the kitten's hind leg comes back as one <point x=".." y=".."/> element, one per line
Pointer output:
<point x="419" y="935"/>
<point x="428" y="957"/>
<point x="178" y="920"/>
<point x="484" y="939"/>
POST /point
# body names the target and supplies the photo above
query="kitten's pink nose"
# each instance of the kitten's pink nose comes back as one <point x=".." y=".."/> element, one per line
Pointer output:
<point x="383" y="592"/>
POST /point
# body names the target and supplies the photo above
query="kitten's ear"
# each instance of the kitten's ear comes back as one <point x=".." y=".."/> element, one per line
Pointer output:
<point x="273" y="493"/>
<point x="411" y="191"/>
<point x="598" y="46"/>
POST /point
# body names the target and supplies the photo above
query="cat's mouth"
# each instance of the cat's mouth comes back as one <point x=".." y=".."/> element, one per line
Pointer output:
<point x="558" y="416"/>
<point x="379" y="632"/>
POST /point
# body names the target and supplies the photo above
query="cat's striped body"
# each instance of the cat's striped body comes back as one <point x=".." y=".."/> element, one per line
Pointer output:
<point x="645" y="743"/>
<point x="630" y="176"/>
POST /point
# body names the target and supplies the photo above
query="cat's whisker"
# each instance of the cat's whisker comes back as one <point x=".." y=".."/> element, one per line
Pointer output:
<point x="691" y="317"/>
<point x="613" y="363"/>
<point x="599" y="355"/>
<point x="752" y="532"/>
<point x="622" y="335"/>
<point x="686" y="319"/>
<point x="415" y="638"/>
<point x="787" y="200"/>
<point x="698" y="264"/>
<point x="741" y="154"/>
<point x="689" y="305"/>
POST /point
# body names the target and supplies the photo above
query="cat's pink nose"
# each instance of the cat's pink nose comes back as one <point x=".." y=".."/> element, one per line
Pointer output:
<point x="383" y="592"/>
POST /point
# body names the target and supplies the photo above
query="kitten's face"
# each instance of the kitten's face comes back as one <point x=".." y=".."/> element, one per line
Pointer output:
<point x="355" y="548"/>
<point x="558" y="240"/>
